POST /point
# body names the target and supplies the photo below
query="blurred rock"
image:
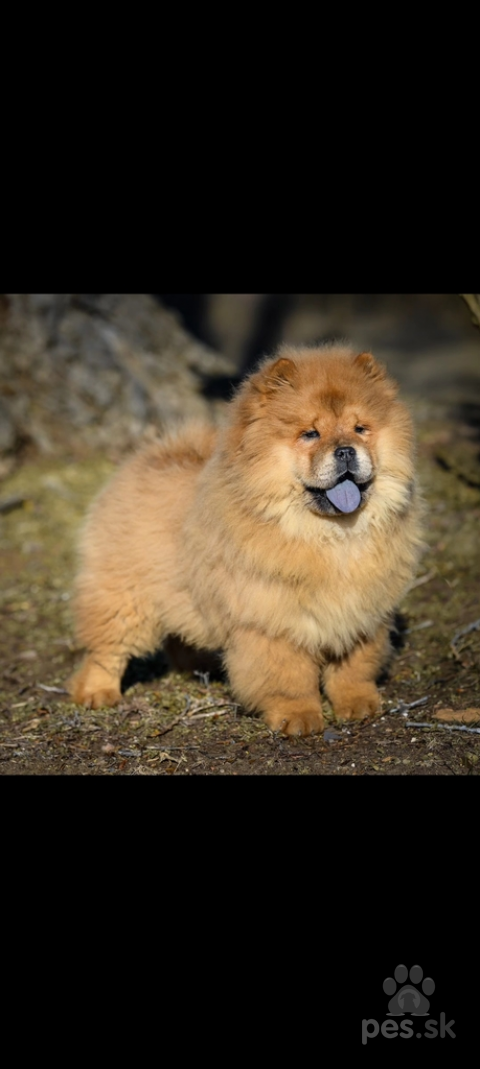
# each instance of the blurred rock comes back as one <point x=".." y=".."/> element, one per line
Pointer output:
<point x="96" y="370"/>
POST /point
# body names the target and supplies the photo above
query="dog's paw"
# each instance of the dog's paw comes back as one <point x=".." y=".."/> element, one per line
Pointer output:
<point x="362" y="704"/>
<point x="304" y="722"/>
<point x="86" y="690"/>
<point x="100" y="698"/>
<point x="96" y="682"/>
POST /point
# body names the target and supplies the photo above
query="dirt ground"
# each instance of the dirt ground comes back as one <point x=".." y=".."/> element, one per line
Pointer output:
<point x="175" y="724"/>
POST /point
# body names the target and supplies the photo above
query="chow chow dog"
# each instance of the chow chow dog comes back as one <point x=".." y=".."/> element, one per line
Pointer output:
<point x="284" y="539"/>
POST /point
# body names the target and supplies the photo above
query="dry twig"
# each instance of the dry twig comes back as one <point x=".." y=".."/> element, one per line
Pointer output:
<point x="423" y="579"/>
<point x="214" y="710"/>
<point x="195" y="712"/>
<point x="459" y="634"/>
<point x="52" y="690"/>
<point x="403" y="707"/>
<point x="446" y="727"/>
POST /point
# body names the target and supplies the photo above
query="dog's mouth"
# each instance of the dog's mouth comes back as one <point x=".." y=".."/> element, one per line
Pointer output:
<point x="344" y="497"/>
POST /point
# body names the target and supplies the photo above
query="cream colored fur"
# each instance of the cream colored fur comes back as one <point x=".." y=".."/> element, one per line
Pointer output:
<point x="213" y="536"/>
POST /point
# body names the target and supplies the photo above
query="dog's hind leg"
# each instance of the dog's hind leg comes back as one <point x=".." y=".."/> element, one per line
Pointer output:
<point x="111" y="633"/>
<point x="97" y="681"/>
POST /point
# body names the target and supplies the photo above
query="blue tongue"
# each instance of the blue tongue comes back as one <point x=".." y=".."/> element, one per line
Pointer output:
<point x="345" y="496"/>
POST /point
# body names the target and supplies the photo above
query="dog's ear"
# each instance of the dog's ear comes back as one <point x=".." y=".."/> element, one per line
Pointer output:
<point x="282" y="373"/>
<point x="369" y="366"/>
<point x="375" y="372"/>
<point x="367" y="363"/>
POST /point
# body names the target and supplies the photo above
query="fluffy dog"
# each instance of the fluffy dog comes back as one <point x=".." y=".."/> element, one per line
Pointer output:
<point x="284" y="539"/>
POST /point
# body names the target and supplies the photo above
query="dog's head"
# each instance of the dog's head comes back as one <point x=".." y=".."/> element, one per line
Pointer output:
<point x="322" y="427"/>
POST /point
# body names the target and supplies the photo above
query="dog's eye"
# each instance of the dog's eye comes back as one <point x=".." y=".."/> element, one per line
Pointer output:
<point x="360" y="429"/>
<point x="310" y="434"/>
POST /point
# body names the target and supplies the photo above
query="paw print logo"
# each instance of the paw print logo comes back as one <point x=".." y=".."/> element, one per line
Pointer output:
<point x="408" y="999"/>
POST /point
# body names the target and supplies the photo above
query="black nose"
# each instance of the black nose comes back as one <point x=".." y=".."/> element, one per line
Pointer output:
<point x="345" y="452"/>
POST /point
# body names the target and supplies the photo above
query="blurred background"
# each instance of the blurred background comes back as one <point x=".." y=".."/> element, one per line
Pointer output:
<point x="245" y="326"/>
<point x="81" y="371"/>
<point x="424" y="338"/>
